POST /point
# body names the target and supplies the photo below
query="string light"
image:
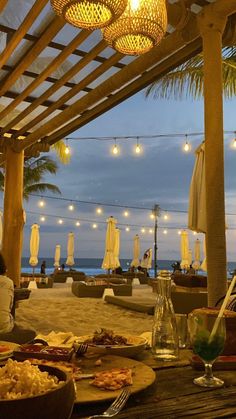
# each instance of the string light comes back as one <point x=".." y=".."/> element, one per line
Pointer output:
<point x="186" y="146"/>
<point x="194" y="233"/>
<point x="127" y="229"/>
<point x="150" y="230"/>
<point x="234" y="141"/>
<point x="152" y="216"/>
<point x="77" y="223"/>
<point x="143" y="230"/>
<point x="179" y="232"/>
<point x="138" y="147"/>
<point x="60" y="221"/>
<point x="99" y="210"/>
<point x="42" y="218"/>
<point x="94" y="226"/>
<point x="71" y="207"/>
<point x="166" y="217"/>
<point x="41" y="203"/>
<point x="126" y="213"/>
<point x="67" y="149"/>
<point x="165" y="231"/>
<point x="115" y="149"/>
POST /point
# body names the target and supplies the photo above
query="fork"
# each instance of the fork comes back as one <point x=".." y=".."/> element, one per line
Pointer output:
<point x="115" y="407"/>
<point x="83" y="347"/>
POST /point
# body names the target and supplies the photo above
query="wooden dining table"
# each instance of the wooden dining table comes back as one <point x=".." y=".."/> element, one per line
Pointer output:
<point x="173" y="394"/>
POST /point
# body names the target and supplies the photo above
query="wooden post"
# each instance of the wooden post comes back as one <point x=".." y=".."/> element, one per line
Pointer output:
<point x="211" y="27"/>
<point x="13" y="219"/>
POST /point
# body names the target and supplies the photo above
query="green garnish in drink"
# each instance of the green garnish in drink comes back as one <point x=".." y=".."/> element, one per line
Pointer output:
<point x="207" y="349"/>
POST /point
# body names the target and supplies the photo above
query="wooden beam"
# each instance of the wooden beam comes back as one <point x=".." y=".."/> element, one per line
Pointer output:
<point x="56" y="62"/>
<point x="143" y="81"/>
<point x="3" y="4"/>
<point x="19" y="34"/>
<point x="223" y="8"/>
<point x="32" y="53"/>
<point x="31" y="99"/>
<point x="131" y="71"/>
<point x="67" y="76"/>
<point x="56" y="45"/>
<point x="71" y="93"/>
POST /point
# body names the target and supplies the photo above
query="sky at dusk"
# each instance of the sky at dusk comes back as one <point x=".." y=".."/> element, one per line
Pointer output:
<point x="160" y="175"/>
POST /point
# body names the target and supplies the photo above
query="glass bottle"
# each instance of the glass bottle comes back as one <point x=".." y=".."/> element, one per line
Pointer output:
<point x="165" y="345"/>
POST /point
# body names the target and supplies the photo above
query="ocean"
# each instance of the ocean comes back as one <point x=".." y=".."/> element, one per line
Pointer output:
<point x="92" y="267"/>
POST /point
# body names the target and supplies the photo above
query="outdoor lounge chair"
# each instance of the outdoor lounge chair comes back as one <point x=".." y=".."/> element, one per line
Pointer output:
<point x="83" y="290"/>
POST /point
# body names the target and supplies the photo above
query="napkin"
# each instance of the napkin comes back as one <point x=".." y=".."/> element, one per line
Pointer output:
<point x="148" y="336"/>
<point x="63" y="339"/>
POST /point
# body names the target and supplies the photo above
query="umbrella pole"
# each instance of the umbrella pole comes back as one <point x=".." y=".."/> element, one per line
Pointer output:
<point x="155" y="213"/>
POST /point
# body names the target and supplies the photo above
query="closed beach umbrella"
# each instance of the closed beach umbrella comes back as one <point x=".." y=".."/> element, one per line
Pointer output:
<point x="57" y="256"/>
<point x="204" y="262"/>
<point x="184" y="250"/>
<point x="34" y="245"/>
<point x="117" y="248"/>
<point x="136" y="262"/>
<point x="109" y="259"/>
<point x="197" y="195"/>
<point x="70" y="250"/>
<point x="197" y="255"/>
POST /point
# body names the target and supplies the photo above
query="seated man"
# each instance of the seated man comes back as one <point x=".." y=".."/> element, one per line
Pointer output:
<point x="8" y="330"/>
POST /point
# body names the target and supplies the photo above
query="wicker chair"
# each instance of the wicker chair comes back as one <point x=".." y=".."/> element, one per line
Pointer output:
<point x="83" y="290"/>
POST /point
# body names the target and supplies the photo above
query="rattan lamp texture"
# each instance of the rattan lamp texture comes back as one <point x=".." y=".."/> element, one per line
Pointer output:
<point x="89" y="14"/>
<point x="142" y="26"/>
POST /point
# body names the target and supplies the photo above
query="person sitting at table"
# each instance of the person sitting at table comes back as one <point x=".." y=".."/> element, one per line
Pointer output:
<point x="9" y="331"/>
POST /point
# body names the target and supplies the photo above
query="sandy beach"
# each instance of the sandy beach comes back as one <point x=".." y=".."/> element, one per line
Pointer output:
<point x="59" y="310"/>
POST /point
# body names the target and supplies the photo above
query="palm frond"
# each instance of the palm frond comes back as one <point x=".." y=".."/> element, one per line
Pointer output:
<point x="187" y="79"/>
<point x="40" y="187"/>
<point x="35" y="169"/>
<point x="59" y="149"/>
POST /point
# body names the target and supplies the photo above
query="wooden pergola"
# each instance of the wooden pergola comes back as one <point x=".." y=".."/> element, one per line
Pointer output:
<point x="56" y="78"/>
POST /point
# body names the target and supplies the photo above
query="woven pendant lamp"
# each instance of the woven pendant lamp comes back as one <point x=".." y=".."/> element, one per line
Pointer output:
<point x="89" y="14"/>
<point x="142" y="26"/>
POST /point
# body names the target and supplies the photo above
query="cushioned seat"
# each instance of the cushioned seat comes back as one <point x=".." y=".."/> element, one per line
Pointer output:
<point x="122" y="289"/>
<point x="83" y="290"/>
<point x="61" y="276"/>
<point x="190" y="280"/>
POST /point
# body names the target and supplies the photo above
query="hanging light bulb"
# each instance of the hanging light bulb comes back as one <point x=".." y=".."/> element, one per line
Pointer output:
<point x="60" y="221"/>
<point x="143" y="230"/>
<point x="194" y="233"/>
<point x="115" y="149"/>
<point x="150" y="230"/>
<point x="99" y="210"/>
<point x="71" y="207"/>
<point x="179" y="232"/>
<point x="126" y="213"/>
<point x="166" y="217"/>
<point x="94" y="225"/>
<point x="142" y="26"/>
<point x="234" y="141"/>
<point x="165" y="231"/>
<point x="41" y="203"/>
<point x="138" y="147"/>
<point x="89" y="14"/>
<point x="152" y="216"/>
<point x="42" y="218"/>
<point x="77" y="223"/>
<point x="127" y="229"/>
<point x="186" y="146"/>
<point x="67" y="149"/>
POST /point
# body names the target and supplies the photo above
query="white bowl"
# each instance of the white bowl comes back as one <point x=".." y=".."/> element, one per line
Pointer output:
<point x="136" y="344"/>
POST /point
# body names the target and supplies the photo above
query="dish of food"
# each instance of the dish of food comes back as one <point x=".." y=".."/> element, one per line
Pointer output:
<point x="110" y="376"/>
<point x="6" y="349"/>
<point x="107" y="342"/>
<point x="43" y="352"/>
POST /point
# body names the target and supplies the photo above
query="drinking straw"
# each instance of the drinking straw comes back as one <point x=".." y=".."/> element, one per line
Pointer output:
<point x="217" y="321"/>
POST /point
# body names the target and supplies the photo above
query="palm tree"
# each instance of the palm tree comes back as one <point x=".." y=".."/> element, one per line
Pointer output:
<point x="187" y="79"/>
<point x="34" y="171"/>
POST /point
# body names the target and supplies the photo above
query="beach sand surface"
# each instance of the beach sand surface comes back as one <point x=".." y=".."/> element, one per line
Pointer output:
<point x="57" y="309"/>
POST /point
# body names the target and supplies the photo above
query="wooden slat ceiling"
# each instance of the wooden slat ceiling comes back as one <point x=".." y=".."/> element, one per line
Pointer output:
<point x="56" y="78"/>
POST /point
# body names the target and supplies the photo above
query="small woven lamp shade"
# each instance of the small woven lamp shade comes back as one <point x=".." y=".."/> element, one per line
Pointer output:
<point x="142" y="26"/>
<point x="89" y="14"/>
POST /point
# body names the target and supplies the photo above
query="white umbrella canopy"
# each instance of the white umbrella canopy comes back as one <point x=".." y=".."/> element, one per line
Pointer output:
<point x="34" y="245"/>
<point x="57" y="256"/>
<point x="190" y="257"/>
<point x="184" y="247"/>
<point x="109" y="259"/>
<point x="146" y="261"/>
<point x="197" y="194"/>
<point x="117" y="248"/>
<point x="70" y="250"/>
<point x="136" y="262"/>
<point x="197" y="255"/>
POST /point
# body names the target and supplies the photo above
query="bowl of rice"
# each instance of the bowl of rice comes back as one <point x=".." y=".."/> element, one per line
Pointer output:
<point x="35" y="391"/>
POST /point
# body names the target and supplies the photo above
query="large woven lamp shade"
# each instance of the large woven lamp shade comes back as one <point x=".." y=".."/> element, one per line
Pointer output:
<point x="89" y="14"/>
<point x="142" y="26"/>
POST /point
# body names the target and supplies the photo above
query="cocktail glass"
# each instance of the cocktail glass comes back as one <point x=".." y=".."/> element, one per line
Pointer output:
<point x="206" y="345"/>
